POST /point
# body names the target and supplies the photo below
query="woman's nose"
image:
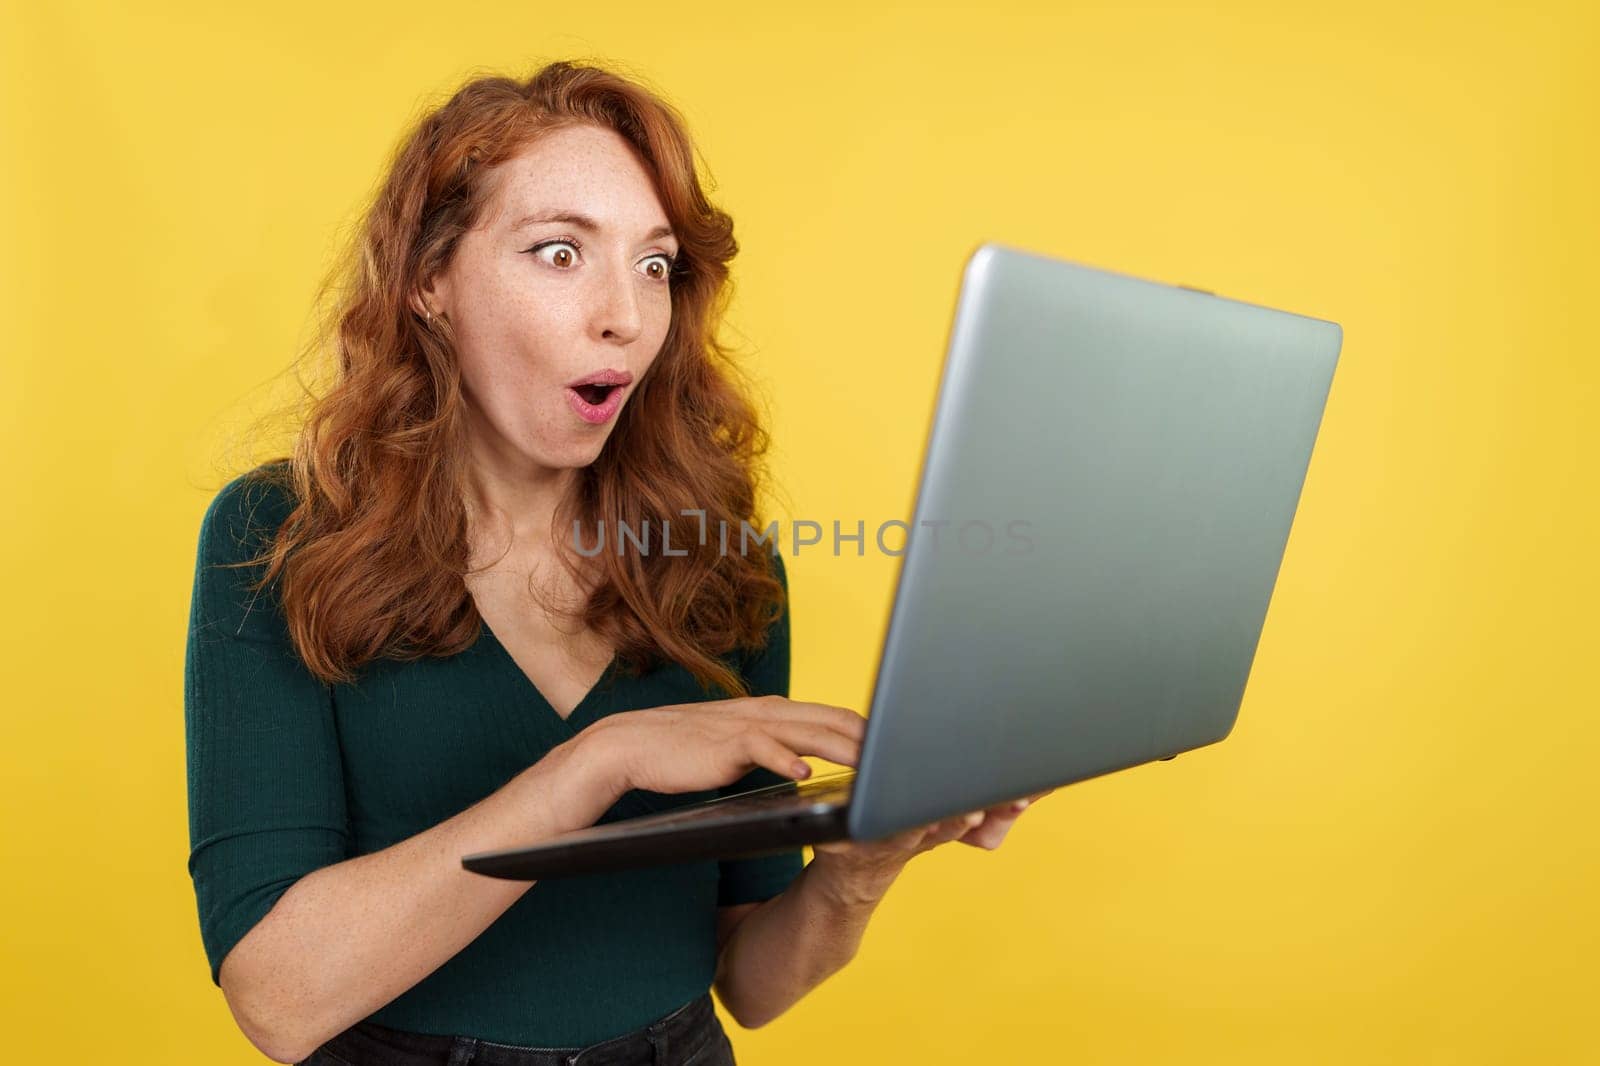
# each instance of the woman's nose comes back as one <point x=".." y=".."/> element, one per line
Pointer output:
<point x="618" y="312"/>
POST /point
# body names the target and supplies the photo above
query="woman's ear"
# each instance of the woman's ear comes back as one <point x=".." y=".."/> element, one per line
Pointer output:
<point x="428" y="301"/>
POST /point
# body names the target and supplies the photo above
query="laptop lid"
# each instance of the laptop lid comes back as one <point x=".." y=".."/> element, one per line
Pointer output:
<point x="1112" y="470"/>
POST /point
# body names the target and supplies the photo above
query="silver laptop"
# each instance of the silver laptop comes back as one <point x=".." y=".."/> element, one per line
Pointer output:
<point x="1111" y="473"/>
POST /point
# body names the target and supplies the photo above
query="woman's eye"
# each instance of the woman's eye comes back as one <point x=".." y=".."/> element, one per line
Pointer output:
<point x="665" y="267"/>
<point x="566" y="249"/>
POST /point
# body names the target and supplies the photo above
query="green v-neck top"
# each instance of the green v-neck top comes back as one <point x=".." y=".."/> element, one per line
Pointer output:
<point x="287" y="774"/>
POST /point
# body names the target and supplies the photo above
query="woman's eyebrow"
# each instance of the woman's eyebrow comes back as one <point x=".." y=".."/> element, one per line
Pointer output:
<point x="583" y="222"/>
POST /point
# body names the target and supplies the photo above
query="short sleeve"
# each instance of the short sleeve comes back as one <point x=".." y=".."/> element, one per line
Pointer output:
<point x="766" y="672"/>
<point x="265" y="777"/>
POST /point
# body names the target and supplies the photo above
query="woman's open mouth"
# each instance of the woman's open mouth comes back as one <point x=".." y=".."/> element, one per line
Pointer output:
<point x="594" y="394"/>
<point x="595" y="404"/>
<point x="595" y="397"/>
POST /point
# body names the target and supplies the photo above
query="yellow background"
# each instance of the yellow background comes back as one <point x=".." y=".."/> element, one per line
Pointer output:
<point x="1393" y="857"/>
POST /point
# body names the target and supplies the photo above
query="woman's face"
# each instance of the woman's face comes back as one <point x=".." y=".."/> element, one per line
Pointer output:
<point x="537" y="303"/>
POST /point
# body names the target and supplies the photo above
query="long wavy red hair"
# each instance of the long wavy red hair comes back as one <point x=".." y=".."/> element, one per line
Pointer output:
<point x="371" y="561"/>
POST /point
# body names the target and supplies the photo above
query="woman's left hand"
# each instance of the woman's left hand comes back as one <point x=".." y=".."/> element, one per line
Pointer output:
<point x="867" y="868"/>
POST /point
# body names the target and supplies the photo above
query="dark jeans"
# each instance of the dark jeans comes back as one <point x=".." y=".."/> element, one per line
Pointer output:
<point x="692" y="1035"/>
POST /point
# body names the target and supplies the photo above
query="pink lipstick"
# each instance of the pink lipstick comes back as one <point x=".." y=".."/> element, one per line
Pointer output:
<point x="596" y="397"/>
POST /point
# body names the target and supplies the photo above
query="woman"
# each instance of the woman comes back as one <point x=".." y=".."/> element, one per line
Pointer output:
<point x="399" y="655"/>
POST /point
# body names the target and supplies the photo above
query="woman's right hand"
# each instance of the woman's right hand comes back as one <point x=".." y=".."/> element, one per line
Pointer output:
<point x="696" y="747"/>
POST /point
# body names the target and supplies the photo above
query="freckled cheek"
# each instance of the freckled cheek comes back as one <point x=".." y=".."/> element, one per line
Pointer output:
<point x="512" y="298"/>
<point x="660" y="324"/>
<point x="485" y="378"/>
<point x="521" y="329"/>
